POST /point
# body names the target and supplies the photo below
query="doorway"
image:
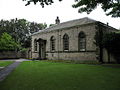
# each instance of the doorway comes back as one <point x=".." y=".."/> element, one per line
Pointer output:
<point x="42" y="49"/>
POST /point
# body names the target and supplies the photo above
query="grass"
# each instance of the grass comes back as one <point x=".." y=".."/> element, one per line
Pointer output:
<point x="40" y="75"/>
<point x="5" y="63"/>
<point x="74" y="62"/>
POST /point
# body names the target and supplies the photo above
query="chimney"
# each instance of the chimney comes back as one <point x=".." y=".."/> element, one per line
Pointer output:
<point x="107" y="24"/>
<point x="57" y="21"/>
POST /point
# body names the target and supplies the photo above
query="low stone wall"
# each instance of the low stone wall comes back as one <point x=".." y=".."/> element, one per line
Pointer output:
<point x="26" y="54"/>
<point x="15" y="54"/>
<point x="9" y="54"/>
<point x="106" y="56"/>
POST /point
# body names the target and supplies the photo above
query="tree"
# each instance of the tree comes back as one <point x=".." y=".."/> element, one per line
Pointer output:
<point x="111" y="7"/>
<point x="35" y="27"/>
<point x="99" y="41"/>
<point x="42" y="2"/>
<point x="27" y="42"/>
<point x="7" y="43"/>
<point x="5" y="27"/>
<point x="20" y="29"/>
<point x="17" y="28"/>
<point x="111" y="42"/>
<point x="51" y="25"/>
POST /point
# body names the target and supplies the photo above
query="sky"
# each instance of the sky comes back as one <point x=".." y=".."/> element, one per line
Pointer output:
<point x="11" y="9"/>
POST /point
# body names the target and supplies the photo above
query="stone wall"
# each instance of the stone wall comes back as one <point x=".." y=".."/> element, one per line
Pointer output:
<point x="73" y="53"/>
<point x="82" y="56"/>
<point x="15" y="55"/>
<point x="108" y="58"/>
<point x="9" y="54"/>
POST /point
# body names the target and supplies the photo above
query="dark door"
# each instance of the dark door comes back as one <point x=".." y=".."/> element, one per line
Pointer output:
<point x="42" y="50"/>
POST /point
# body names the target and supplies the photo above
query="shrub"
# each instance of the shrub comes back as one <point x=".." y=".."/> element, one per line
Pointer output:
<point x="7" y="43"/>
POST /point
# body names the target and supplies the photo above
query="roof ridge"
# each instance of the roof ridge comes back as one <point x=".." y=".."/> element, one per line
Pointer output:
<point x="78" y="19"/>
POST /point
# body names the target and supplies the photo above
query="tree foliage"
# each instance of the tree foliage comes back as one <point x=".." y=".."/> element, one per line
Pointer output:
<point x="98" y="41"/>
<point x="111" y="42"/>
<point x="51" y="25"/>
<point x="42" y="2"/>
<point x="20" y="29"/>
<point x="7" y="43"/>
<point x="35" y="27"/>
<point x="111" y="7"/>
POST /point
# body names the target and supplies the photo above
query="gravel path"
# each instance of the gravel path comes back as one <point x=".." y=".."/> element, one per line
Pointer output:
<point x="7" y="70"/>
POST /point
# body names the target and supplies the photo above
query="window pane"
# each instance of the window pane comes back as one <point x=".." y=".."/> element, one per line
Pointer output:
<point x="35" y="45"/>
<point x="65" y="42"/>
<point x="82" y="42"/>
<point x="52" y="43"/>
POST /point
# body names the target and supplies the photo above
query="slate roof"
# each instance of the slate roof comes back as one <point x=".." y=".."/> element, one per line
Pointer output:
<point x="67" y="24"/>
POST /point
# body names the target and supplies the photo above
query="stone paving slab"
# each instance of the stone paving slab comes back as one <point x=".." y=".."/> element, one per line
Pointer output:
<point x="7" y="70"/>
<point x="1" y="67"/>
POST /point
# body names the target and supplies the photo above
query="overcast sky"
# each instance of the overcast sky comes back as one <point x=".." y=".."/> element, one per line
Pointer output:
<point x="10" y="9"/>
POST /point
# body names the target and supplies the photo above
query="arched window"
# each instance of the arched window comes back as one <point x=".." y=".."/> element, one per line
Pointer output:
<point x="82" y="41"/>
<point x="52" y="43"/>
<point x="35" y="45"/>
<point x="65" y="42"/>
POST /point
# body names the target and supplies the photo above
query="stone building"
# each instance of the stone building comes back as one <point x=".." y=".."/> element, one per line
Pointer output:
<point x="71" y="40"/>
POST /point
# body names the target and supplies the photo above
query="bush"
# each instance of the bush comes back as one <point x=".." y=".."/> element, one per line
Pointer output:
<point x="7" y="43"/>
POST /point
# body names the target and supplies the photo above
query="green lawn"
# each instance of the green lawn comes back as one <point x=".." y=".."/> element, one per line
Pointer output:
<point x="40" y="75"/>
<point x="5" y="63"/>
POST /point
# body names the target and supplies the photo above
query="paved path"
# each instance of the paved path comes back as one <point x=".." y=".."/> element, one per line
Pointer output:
<point x="7" y="70"/>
